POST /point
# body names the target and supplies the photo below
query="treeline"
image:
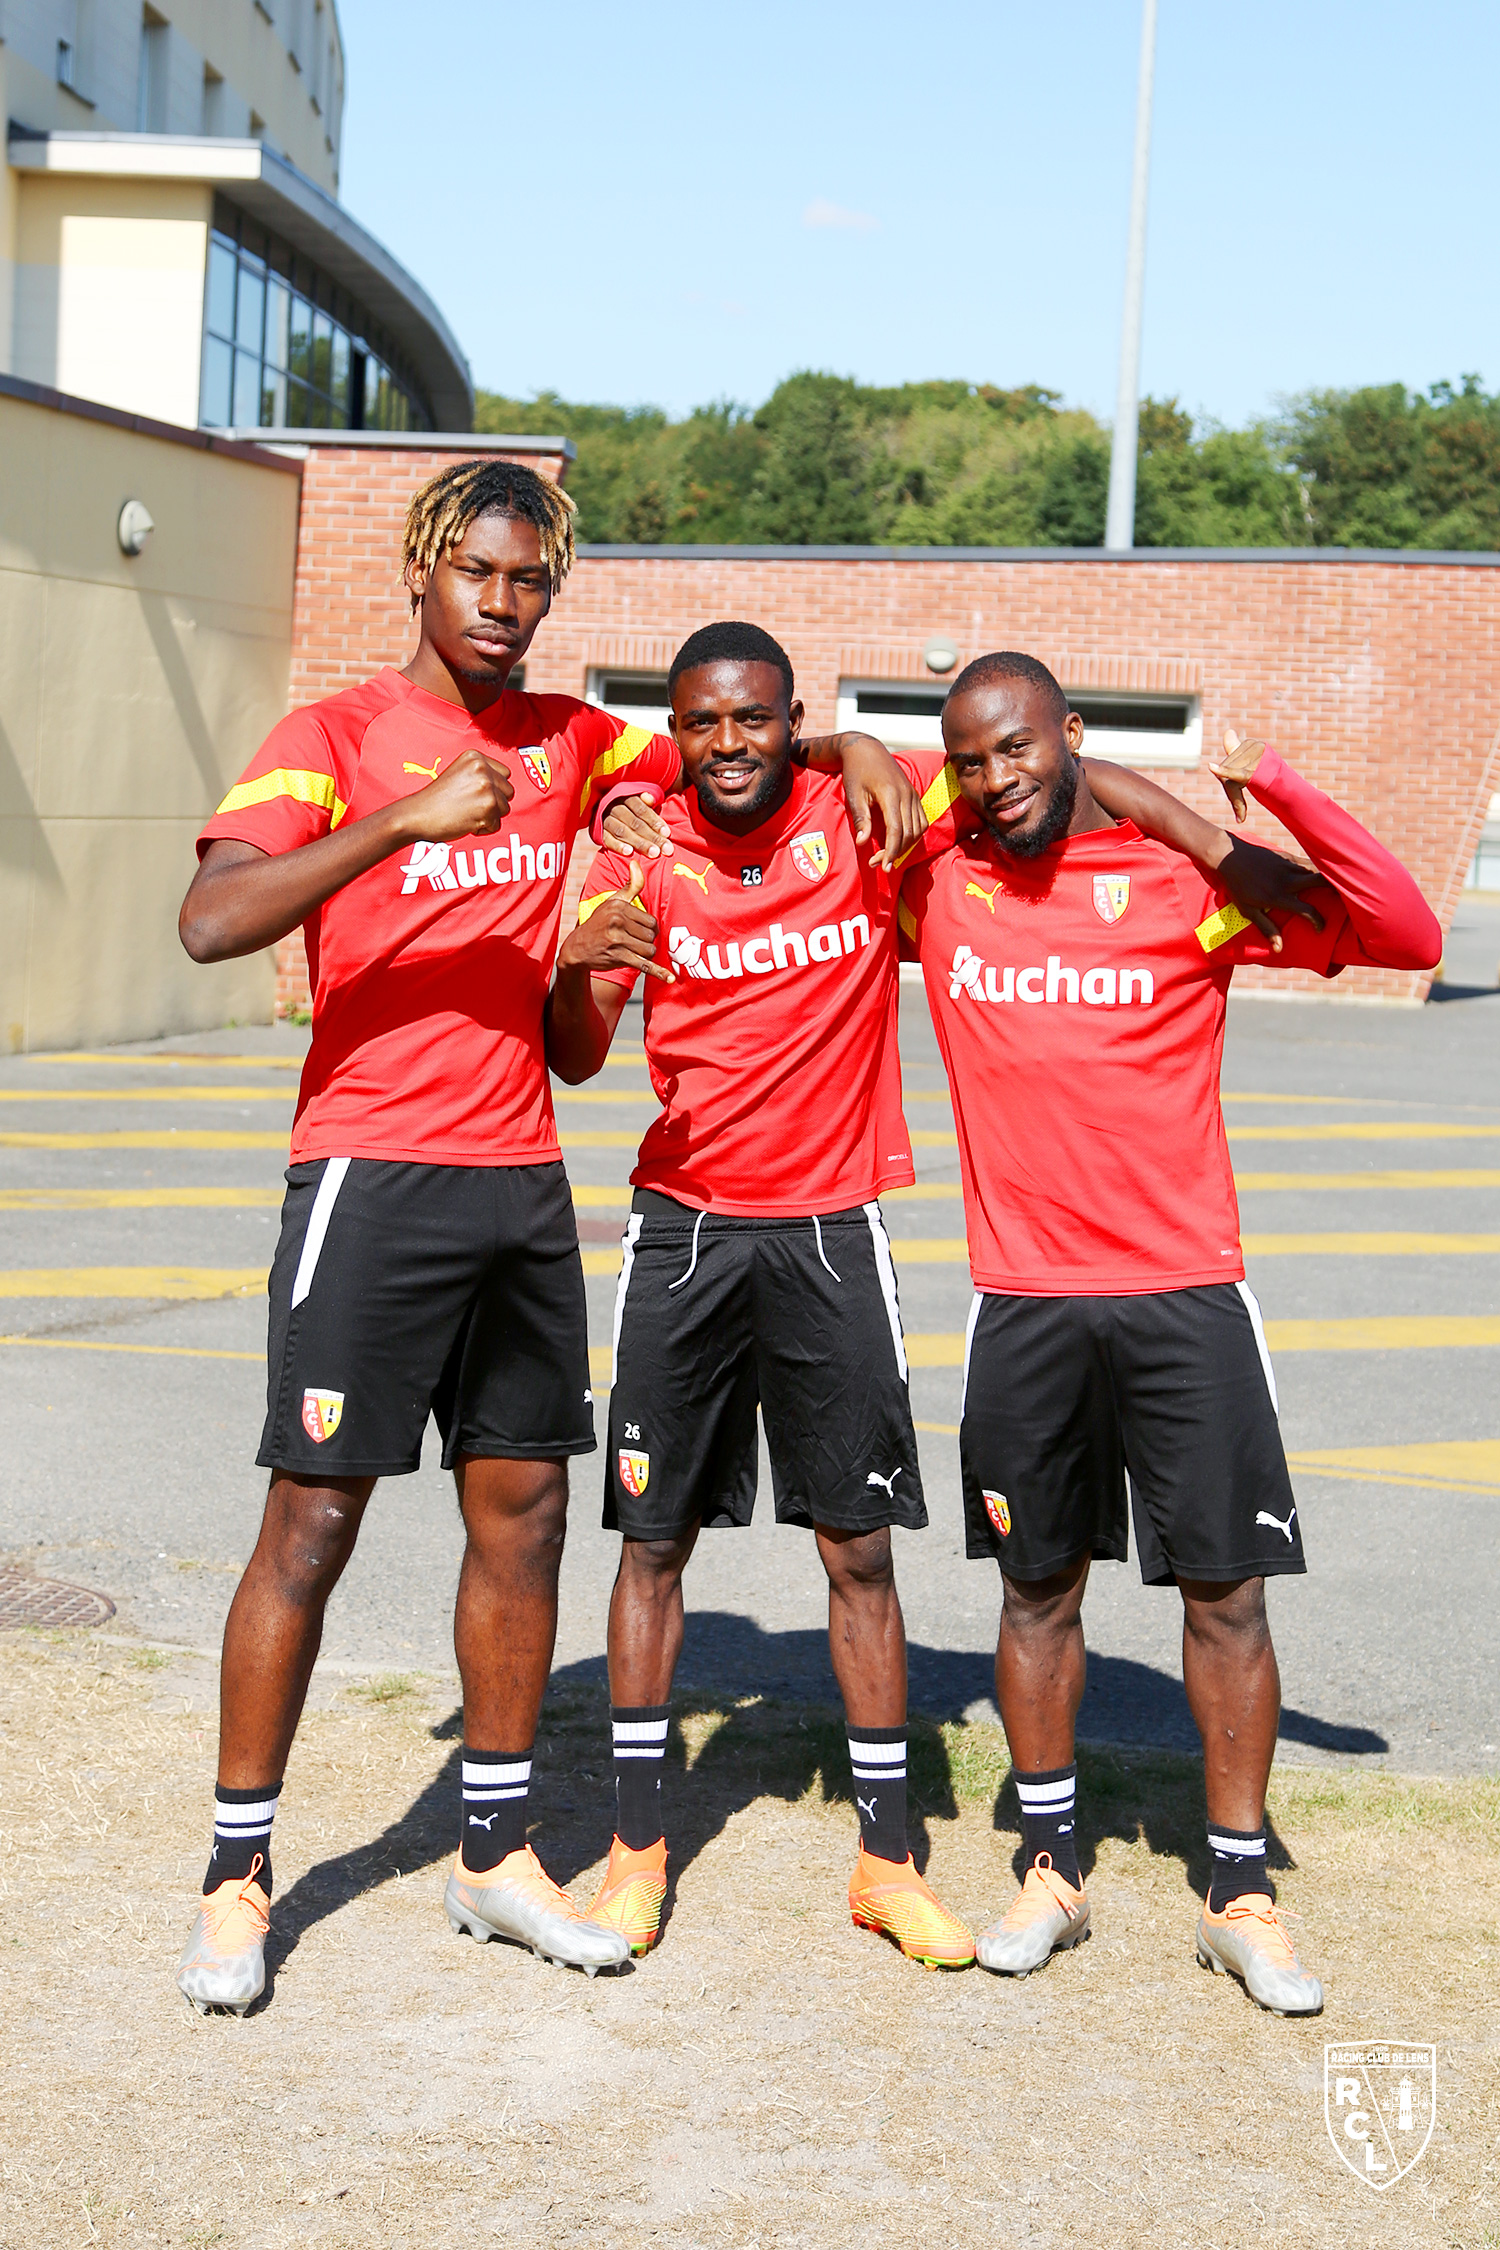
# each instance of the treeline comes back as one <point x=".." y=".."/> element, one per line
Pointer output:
<point x="826" y="461"/>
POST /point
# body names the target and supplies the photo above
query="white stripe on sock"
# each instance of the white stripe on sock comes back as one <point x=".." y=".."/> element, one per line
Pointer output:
<point x="1238" y="1847"/>
<point x="640" y="1730"/>
<point x="244" y="1816"/>
<point x="490" y="1777"/>
<point x="877" y="1753"/>
<point x="1046" y="1796"/>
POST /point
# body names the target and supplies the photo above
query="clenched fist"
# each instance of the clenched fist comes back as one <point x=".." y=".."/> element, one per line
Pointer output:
<point x="470" y="799"/>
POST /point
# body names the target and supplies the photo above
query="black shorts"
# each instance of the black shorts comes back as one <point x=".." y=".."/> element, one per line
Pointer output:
<point x="715" y="1316"/>
<point x="400" y="1290"/>
<point x="1064" y="1395"/>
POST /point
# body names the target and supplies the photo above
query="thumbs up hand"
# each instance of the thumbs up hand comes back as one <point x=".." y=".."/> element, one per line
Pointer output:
<point x="616" y="930"/>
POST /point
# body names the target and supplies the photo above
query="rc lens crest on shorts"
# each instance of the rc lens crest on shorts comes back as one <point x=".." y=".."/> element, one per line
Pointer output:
<point x="445" y="869"/>
<point x="322" y="1412"/>
<point x="974" y="979"/>
<point x="635" y="1471"/>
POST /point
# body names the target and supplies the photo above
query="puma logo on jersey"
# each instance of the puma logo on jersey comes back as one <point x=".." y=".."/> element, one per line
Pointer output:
<point x="693" y="874"/>
<point x="431" y="771"/>
<point x="1096" y="988"/>
<point x="776" y="949"/>
<point x="888" y="1483"/>
<point x="1274" y="1523"/>
<point x="448" y="870"/>
<point x="972" y="890"/>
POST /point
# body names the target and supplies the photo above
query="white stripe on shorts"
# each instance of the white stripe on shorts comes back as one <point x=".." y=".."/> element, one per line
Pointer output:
<point x="628" y="1241"/>
<point x="969" y="1328"/>
<point x="1252" y="1307"/>
<point x="885" y="1267"/>
<point x="317" y="1225"/>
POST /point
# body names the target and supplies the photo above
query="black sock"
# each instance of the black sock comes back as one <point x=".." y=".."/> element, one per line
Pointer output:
<point x="640" y="1736"/>
<point x="1239" y="1865"/>
<point x="242" y="1829"/>
<point x="1047" y="1808"/>
<point x="878" y="1757"/>
<point x="496" y="1786"/>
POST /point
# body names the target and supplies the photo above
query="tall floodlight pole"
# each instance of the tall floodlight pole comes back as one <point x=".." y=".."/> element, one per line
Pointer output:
<point x="1119" y="522"/>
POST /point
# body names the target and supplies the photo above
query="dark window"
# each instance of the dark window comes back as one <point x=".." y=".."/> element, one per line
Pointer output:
<point x="902" y="702"/>
<point x="1108" y="711"/>
<point x="647" y="690"/>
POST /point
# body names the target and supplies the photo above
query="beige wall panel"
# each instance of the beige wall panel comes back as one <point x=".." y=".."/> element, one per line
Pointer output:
<point x="19" y="840"/>
<point x="132" y="693"/>
<point x="109" y="290"/>
<point x="106" y="962"/>
<point x="23" y="612"/>
<point x="151" y="704"/>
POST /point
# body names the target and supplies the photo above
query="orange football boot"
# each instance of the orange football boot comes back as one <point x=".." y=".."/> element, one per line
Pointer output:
<point x="894" y="1901"/>
<point x="630" y="1897"/>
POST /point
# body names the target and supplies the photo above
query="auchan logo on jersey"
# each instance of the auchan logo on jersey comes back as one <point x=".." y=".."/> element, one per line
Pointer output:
<point x="444" y="869"/>
<point x="762" y="956"/>
<point x="1096" y="988"/>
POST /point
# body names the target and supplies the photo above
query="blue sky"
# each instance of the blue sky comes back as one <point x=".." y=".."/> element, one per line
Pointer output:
<point x="678" y="202"/>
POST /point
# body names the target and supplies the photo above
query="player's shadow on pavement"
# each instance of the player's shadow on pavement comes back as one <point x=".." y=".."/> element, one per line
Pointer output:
<point x="787" y="1742"/>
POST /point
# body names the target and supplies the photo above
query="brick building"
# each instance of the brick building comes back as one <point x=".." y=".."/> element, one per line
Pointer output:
<point x="1379" y="673"/>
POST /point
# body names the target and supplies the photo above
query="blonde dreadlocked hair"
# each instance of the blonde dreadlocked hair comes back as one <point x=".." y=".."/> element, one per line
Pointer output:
<point x="442" y="510"/>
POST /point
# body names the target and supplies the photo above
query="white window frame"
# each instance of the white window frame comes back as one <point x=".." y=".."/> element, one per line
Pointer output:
<point x="650" y="715"/>
<point x="1126" y="746"/>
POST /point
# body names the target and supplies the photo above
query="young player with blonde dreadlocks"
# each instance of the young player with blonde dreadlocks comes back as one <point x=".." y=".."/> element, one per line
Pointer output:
<point x="428" y="1259"/>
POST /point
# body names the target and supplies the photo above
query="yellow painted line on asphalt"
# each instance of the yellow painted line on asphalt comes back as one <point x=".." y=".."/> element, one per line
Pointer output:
<point x="148" y="1094"/>
<point x="182" y="1061"/>
<point x="1386" y="1129"/>
<point x="155" y="1351"/>
<point x="928" y="1191"/>
<point x="601" y="1364"/>
<point x="920" y="1139"/>
<point x="599" y="1140"/>
<point x="1370" y="1245"/>
<point x="608" y="1198"/>
<point x="1416" y="1332"/>
<point x="132" y="1281"/>
<point x="911" y="1250"/>
<point x="188" y="1138"/>
<point x="141" y="1199"/>
<point x="1248" y="1182"/>
<point x="938" y="1429"/>
<point x="617" y="1094"/>
<point x="1461" y="1465"/>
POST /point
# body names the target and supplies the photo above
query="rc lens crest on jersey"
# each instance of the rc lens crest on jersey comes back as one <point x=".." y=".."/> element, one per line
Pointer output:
<point x="1111" y="896"/>
<point x="538" y="768"/>
<point x="810" y="855"/>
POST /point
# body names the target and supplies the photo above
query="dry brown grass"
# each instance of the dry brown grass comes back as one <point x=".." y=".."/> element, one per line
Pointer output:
<point x="770" y="2076"/>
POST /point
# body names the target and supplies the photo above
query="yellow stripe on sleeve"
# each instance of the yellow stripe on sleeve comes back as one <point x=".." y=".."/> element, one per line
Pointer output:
<point x="623" y="751"/>
<point x="941" y="792"/>
<point x="907" y="919"/>
<point x="287" y="781"/>
<point x="588" y="906"/>
<point x="1220" y="927"/>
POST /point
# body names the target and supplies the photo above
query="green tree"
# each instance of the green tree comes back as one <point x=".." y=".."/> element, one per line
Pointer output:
<point x="812" y="484"/>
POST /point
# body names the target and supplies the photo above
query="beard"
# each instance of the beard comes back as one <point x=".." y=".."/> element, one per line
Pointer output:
<point x="759" y="802"/>
<point x="1055" y="816"/>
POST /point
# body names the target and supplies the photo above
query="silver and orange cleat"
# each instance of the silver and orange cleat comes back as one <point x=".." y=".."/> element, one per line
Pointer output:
<point x="519" y="1900"/>
<point x="1250" y="1941"/>
<point x="1048" y="1915"/>
<point x="223" y="1964"/>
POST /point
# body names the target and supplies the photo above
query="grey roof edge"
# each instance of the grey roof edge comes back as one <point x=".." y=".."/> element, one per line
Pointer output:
<point x="142" y="425"/>
<point x="286" y="200"/>
<point x="602" y="552"/>
<point x="411" y="441"/>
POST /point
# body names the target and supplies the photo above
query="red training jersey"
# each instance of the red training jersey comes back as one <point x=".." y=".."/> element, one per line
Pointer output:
<point x="1079" y="1001"/>
<point x="430" y="970"/>
<point x="774" y="1051"/>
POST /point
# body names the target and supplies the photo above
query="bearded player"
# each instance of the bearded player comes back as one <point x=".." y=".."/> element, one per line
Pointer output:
<point x="756" y="1266"/>
<point x="1077" y="975"/>
<point x="428" y="1259"/>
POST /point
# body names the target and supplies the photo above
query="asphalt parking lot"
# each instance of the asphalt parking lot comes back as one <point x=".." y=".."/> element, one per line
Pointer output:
<point x="140" y="1190"/>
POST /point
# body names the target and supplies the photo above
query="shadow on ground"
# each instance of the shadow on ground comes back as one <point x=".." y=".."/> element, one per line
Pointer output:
<point x="756" y="1714"/>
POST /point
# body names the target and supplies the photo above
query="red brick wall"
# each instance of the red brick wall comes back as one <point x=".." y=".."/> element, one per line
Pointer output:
<point x="1382" y="680"/>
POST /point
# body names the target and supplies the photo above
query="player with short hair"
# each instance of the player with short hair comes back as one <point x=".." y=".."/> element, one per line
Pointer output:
<point x="418" y="826"/>
<point x="1077" y="974"/>
<point x="756" y="1265"/>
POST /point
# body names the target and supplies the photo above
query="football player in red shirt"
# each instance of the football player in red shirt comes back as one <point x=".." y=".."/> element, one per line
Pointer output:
<point x="428" y="1259"/>
<point x="1077" y="974"/>
<point x="756" y="1266"/>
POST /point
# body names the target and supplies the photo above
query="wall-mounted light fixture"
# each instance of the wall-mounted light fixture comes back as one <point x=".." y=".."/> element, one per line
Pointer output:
<point x="134" y="527"/>
<point x="940" y="654"/>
